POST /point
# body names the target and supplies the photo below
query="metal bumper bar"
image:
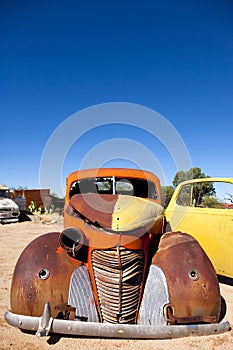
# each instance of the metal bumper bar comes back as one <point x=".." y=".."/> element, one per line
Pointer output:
<point x="8" y="220"/>
<point x="43" y="326"/>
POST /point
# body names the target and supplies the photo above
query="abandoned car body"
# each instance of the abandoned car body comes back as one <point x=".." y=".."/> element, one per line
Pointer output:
<point x="112" y="272"/>
<point x="9" y="210"/>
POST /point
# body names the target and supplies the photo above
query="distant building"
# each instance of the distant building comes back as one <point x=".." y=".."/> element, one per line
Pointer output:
<point x="41" y="197"/>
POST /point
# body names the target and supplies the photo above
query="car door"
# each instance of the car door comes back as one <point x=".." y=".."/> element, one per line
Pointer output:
<point x="204" y="209"/>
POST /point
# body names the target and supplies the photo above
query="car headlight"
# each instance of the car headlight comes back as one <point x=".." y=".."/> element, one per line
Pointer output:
<point x="71" y="239"/>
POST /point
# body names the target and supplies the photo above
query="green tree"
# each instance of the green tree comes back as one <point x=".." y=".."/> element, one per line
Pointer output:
<point x="166" y="194"/>
<point x="167" y="191"/>
<point x="192" y="173"/>
<point x="211" y="202"/>
<point x="199" y="190"/>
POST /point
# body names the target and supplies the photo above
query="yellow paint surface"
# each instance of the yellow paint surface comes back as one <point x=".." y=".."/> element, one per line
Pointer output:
<point x="134" y="212"/>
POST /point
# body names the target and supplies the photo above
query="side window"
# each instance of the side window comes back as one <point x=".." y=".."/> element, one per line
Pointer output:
<point x="206" y="194"/>
<point x="220" y="198"/>
<point x="184" y="196"/>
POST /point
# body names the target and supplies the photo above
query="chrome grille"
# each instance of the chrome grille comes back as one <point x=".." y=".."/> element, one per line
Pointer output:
<point x="118" y="276"/>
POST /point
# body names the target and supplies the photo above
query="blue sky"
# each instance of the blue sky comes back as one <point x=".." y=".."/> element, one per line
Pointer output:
<point x="60" y="57"/>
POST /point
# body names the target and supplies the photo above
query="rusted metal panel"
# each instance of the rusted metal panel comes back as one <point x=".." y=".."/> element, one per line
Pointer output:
<point x="98" y="209"/>
<point x="192" y="282"/>
<point x="42" y="274"/>
<point x="117" y="212"/>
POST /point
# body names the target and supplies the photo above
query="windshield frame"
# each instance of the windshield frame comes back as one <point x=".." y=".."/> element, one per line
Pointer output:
<point x="99" y="185"/>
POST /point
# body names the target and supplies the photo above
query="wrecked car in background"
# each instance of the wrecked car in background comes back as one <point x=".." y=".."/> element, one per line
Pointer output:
<point x="9" y="210"/>
<point x="113" y="272"/>
<point x="204" y="209"/>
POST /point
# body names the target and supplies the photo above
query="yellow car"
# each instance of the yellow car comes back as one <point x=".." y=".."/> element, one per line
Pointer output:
<point x="203" y="208"/>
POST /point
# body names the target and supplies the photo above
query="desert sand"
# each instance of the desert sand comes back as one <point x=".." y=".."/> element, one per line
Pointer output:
<point x="14" y="238"/>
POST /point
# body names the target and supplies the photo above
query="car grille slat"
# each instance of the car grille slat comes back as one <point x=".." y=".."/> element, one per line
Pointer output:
<point x="118" y="276"/>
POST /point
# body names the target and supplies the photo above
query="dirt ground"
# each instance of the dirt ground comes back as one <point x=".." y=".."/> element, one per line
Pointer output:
<point x="14" y="238"/>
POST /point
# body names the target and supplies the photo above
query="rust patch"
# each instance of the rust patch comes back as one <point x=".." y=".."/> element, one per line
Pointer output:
<point x="41" y="275"/>
<point x="97" y="208"/>
<point x="192" y="282"/>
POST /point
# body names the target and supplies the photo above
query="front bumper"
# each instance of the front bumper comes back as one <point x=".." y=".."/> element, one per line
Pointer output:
<point x="45" y="325"/>
<point x="8" y="220"/>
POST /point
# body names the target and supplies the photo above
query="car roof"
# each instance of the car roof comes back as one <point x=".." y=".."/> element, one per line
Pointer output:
<point x="207" y="179"/>
<point x="4" y="187"/>
<point x="117" y="172"/>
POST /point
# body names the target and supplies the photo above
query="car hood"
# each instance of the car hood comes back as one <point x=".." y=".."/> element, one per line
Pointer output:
<point x="117" y="212"/>
<point x="8" y="203"/>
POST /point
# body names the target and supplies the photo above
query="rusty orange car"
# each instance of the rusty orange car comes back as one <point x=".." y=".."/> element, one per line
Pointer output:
<point x="112" y="271"/>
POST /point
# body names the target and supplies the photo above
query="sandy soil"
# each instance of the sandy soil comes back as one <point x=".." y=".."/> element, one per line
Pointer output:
<point x="14" y="238"/>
